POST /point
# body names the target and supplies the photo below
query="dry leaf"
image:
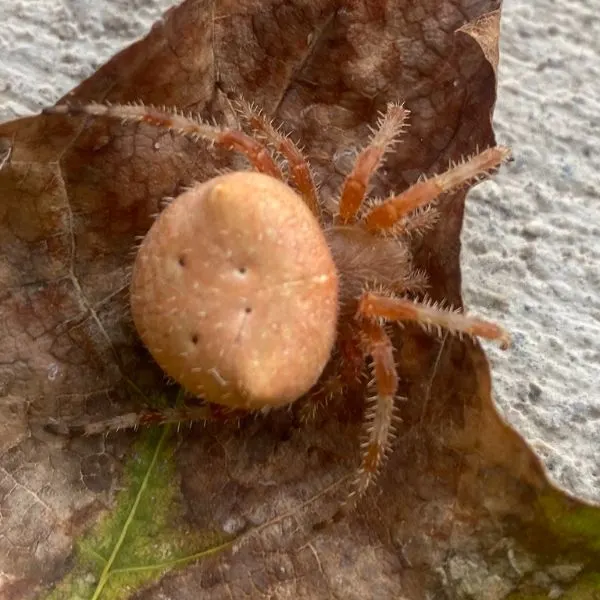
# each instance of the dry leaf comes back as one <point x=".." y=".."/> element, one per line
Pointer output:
<point x="463" y="510"/>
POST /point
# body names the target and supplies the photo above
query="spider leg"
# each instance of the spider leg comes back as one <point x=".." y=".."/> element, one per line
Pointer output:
<point x="390" y="125"/>
<point x="298" y="166"/>
<point x="148" y="416"/>
<point x="184" y="125"/>
<point x="430" y="315"/>
<point x="330" y="388"/>
<point x="347" y="374"/>
<point x="380" y="415"/>
<point x="423" y="193"/>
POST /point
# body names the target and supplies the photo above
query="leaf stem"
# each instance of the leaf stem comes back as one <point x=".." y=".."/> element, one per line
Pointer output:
<point x="179" y="561"/>
<point x="106" y="572"/>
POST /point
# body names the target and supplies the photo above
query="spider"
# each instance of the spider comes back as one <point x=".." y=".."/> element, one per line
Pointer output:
<point x="246" y="287"/>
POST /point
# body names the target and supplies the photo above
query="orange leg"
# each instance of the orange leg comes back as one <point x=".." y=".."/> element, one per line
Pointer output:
<point x="354" y="189"/>
<point x="299" y="168"/>
<point x="256" y="153"/>
<point x="188" y="126"/>
<point x="347" y="373"/>
<point x="379" y="416"/>
<point x="422" y="193"/>
<point x="430" y="315"/>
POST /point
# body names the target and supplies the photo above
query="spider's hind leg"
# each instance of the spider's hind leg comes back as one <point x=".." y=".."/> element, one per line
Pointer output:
<point x="185" y="125"/>
<point x="298" y="166"/>
<point x="184" y="414"/>
<point x="344" y="375"/>
<point x="133" y="420"/>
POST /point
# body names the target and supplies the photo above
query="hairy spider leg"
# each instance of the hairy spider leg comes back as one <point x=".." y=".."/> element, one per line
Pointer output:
<point x="354" y="189"/>
<point x="387" y="214"/>
<point x="380" y="414"/>
<point x="184" y="125"/>
<point x="150" y="416"/>
<point x="346" y="376"/>
<point x="298" y="166"/>
<point x="145" y="417"/>
<point x="430" y="316"/>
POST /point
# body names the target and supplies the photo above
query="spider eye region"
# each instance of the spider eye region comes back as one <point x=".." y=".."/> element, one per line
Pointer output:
<point x="235" y="292"/>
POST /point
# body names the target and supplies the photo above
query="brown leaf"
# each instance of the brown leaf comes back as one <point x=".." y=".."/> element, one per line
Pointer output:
<point x="461" y="487"/>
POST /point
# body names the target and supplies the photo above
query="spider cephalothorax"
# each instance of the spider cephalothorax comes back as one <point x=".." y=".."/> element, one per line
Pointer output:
<point x="245" y="287"/>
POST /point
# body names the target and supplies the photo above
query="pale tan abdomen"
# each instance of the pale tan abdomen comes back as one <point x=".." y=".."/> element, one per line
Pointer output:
<point x="235" y="292"/>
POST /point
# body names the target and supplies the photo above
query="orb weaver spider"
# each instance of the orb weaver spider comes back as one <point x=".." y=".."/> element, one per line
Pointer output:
<point x="247" y="287"/>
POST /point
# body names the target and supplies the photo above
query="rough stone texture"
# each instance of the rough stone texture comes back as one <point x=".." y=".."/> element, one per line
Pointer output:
<point x="531" y="256"/>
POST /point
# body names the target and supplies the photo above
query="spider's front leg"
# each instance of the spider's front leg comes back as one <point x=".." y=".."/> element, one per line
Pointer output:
<point x="423" y="193"/>
<point x="430" y="315"/>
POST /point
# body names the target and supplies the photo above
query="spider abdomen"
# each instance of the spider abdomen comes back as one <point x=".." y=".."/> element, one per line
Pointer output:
<point x="235" y="292"/>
